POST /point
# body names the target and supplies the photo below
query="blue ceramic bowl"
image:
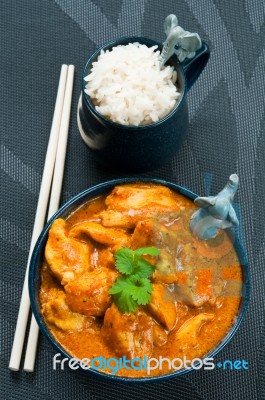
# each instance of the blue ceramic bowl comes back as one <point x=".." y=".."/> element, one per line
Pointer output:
<point x="63" y="212"/>
<point x="138" y="148"/>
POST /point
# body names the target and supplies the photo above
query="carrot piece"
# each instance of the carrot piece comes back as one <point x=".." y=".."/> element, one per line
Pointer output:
<point x="232" y="273"/>
<point x="214" y="248"/>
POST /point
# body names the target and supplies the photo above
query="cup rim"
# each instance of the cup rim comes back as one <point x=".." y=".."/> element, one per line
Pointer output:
<point x="120" y="41"/>
<point x="91" y="193"/>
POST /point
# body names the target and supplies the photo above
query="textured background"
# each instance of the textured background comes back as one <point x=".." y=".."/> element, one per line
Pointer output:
<point x="226" y="135"/>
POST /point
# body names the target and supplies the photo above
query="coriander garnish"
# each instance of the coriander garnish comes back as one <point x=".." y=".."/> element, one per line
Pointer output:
<point x="134" y="288"/>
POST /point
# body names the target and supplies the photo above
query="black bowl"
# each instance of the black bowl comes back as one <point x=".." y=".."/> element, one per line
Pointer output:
<point x="129" y="148"/>
<point x="63" y="212"/>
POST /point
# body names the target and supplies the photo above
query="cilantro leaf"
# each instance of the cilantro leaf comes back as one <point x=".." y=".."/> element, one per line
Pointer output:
<point x="121" y="284"/>
<point x="151" y="251"/>
<point x="144" y="268"/>
<point x="141" y="290"/>
<point x="124" y="260"/>
<point x="133" y="288"/>
<point x="125" y="302"/>
<point x="121" y="290"/>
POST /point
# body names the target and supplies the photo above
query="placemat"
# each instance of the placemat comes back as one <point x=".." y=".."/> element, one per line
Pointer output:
<point x="226" y="135"/>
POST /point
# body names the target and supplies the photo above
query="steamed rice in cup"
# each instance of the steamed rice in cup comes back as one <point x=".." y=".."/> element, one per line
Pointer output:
<point x="128" y="85"/>
<point x="132" y="114"/>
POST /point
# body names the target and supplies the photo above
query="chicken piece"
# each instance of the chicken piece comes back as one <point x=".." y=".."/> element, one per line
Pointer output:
<point x="129" y="334"/>
<point x="135" y="197"/>
<point x="102" y="258"/>
<point x="117" y="219"/>
<point x="129" y="204"/>
<point x="106" y="236"/>
<point x="48" y="282"/>
<point x="66" y="257"/>
<point x="88" y="294"/>
<point x="160" y="336"/>
<point x="161" y="307"/>
<point x="57" y="312"/>
<point x="188" y="333"/>
<point x="142" y="235"/>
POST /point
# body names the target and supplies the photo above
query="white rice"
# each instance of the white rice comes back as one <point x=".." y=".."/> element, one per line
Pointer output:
<point x="128" y="86"/>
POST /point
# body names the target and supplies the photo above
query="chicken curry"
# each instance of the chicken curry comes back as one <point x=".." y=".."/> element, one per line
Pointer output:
<point x="195" y="290"/>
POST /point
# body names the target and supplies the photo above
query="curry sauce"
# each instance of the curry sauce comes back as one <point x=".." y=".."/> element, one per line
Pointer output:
<point x="196" y="285"/>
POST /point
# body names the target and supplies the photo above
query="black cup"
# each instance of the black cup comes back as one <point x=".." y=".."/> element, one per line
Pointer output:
<point x="145" y="147"/>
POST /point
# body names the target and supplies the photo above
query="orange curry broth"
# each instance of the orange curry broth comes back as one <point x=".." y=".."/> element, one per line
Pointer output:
<point x="88" y="342"/>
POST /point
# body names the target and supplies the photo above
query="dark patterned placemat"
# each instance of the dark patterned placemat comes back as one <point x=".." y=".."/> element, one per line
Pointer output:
<point x="226" y="135"/>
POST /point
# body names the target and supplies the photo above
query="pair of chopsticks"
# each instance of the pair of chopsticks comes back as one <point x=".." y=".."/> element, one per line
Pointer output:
<point x="51" y="186"/>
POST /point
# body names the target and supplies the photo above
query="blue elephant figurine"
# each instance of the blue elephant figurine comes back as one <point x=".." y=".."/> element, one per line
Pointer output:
<point x="183" y="43"/>
<point x="215" y="212"/>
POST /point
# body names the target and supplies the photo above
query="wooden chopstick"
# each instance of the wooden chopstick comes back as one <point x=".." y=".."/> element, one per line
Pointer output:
<point x="24" y="307"/>
<point x="54" y="202"/>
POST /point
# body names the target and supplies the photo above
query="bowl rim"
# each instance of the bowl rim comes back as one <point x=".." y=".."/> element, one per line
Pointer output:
<point x="122" y="41"/>
<point x="78" y="200"/>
